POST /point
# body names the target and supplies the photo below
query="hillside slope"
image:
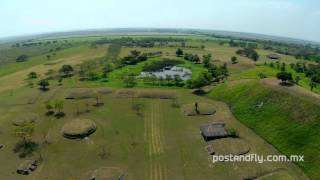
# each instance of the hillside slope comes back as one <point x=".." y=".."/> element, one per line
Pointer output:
<point x="290" y="123"/>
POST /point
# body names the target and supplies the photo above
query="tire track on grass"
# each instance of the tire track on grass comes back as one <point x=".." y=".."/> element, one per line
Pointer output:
<point x="153" y="135"/>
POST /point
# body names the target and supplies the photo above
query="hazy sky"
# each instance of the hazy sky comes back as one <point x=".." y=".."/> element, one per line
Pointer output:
<point x="291" y="18"/>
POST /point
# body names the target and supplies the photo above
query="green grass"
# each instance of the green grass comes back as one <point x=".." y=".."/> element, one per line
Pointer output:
<point x="14" y="67"/>
<point x="253" y="73"/>
<point x="288" y="122"/>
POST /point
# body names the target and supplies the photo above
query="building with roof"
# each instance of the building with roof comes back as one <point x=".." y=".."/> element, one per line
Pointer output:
<point x="213" y="131"/>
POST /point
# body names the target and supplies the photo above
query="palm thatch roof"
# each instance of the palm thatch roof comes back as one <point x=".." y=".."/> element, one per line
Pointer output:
<point x="213" y="131"/>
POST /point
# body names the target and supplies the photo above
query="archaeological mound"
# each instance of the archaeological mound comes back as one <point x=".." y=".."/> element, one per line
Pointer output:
<point x="78" y="128"/>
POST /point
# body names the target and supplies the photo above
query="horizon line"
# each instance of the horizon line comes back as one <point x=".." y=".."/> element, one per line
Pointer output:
<point x="271" y="36"/>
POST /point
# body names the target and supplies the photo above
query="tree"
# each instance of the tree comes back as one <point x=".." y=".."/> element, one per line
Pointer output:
<point x="179" y="52"/>
<point x="312" y="85"/>
<point x="130" y="80"/>
<point x="32" y="75"/>
<point x="234" y="60"/>
<point x="177" y="80"/>
<point x="206" y="60"/>
<point x="196" y="58"/>
<point x="297" y="79"/>
<point x="43" y="84"/>
<point x="49" y="108"/>
<point x="285" y="77"/>
<point x="199" y="82"/>
<point x="60" y="81"/>
<point x="93" y="76"/>
<point x="58" y="106"/>
<point x="283" y="67"/>
<point x="22" y="58"/>
<point x="254" y="56"/>
<point x="66" y="70"/>
<point x="25" y="146"/>
<point x="135" y="53"/>
<point x="25" y="131"/>
<point x="248" y="52"/>
<point x="168" y="79"/>
<point x="106" y="70"/>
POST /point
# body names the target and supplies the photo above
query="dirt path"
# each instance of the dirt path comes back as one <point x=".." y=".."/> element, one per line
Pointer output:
<point x="155" y="142"/>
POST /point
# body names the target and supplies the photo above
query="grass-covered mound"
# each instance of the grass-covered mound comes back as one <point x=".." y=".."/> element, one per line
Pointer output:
<point x="104" y="90"/>
<point x="146" y="93"/>
<point x="25" y="118"/>
<point x="289" y="122"/>
<point x="277" y="175"/>
<point x="78" y="128"/>
<point x="125" y="93"/>
<point x="226" y="146"/>
<point x="203" y="109"/>
<point x="156" y="94"/>
<point x="80" y="93"/>
<point x="107" y="173"/>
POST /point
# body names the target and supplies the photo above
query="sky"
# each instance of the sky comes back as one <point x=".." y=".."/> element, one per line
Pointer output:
<point x="288" y="18"/>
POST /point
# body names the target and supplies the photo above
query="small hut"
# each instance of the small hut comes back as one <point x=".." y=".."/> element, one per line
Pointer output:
<point x="213" y="131"/>
<point x="274" y="56"/>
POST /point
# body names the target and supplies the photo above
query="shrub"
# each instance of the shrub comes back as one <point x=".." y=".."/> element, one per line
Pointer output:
<point x="262" y="76"/>
<point x="232" y="132"/>
<point x="22" y="58"/>
<point x="25" y="148"/>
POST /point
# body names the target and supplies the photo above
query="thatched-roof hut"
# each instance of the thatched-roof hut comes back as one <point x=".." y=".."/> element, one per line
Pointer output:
<point x="213" y="131"/>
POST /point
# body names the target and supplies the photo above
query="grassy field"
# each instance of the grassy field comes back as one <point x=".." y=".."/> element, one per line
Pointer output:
<point x="163" y="144"/>
<point x="160" y="142"/>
